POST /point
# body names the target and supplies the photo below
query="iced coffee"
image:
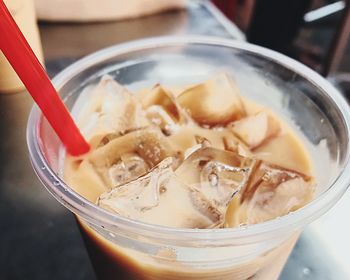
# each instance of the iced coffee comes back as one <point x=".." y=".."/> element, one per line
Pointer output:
<point x="201" y="156"/>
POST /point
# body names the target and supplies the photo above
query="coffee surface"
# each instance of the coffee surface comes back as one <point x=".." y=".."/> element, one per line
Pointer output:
<point x="197" y="157"/>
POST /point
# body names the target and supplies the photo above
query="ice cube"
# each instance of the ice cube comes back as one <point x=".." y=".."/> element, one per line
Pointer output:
<point x="257" y="129"/>
<point x="271" y="192"/>
<point x="266" y="176"/>
<point x="214" y="102"/>
<point x="159" y="197"/>
<point x="138" y="196"/>
<point x="164" y="98"/>
<point x="108" y="108"/>
<point x="161" y="97"/>
<point x="216" y="175"/>
<point x="148" y="144"/>
<point x="202" y="160"/>
<point x="129" y="167"/>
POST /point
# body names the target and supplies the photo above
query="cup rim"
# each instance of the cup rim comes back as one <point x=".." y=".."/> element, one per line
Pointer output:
<point x="106" y="220"/>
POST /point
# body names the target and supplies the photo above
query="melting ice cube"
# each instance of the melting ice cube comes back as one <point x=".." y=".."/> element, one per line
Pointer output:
<point x="214" y="102"/>
<point x="216" y="174"/>
<point x="134" y="153"/>
<point x="107" y="108"/>
<point x="159" y="197"/>
<point x="129" y="167"/>
<point x="166" y="102"/>
<point x="271" y="192"/>
<point x="257" y="129"/>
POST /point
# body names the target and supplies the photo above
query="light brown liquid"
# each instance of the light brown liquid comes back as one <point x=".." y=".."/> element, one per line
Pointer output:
<point x="113" y="261"/>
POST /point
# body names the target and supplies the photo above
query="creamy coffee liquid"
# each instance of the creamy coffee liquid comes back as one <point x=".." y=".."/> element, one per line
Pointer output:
<point x="201" y="157"/>
<point x="113" y="262"/>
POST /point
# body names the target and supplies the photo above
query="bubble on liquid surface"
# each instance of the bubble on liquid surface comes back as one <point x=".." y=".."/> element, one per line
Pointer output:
<point x="306" y="272"/>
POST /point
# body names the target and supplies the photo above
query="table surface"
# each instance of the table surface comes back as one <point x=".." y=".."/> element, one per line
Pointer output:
<point x="39" y="237"/>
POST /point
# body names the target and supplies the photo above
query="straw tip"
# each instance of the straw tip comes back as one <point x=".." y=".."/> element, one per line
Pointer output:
<point x="78" y="150"/>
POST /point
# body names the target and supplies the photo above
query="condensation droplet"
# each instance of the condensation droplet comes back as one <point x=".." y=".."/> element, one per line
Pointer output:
<point x="56" y="183"/>
<point x="306" y="271"/>
<point x="267" y="77"/>
<point x="43" y="168"/>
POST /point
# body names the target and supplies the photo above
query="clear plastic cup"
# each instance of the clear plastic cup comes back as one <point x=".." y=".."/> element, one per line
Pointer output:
<point x="121" y="248"/>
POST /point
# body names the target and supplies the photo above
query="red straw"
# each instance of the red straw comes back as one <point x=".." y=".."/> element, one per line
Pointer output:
<point x="28" y="68"/>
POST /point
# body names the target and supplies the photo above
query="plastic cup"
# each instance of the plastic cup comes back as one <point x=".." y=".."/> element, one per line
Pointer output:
<point x="121" y="248"/>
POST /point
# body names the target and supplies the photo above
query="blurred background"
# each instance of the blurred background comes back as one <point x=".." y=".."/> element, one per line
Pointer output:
<point x="39" y="237"/>
<point x="315" y="32"/>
